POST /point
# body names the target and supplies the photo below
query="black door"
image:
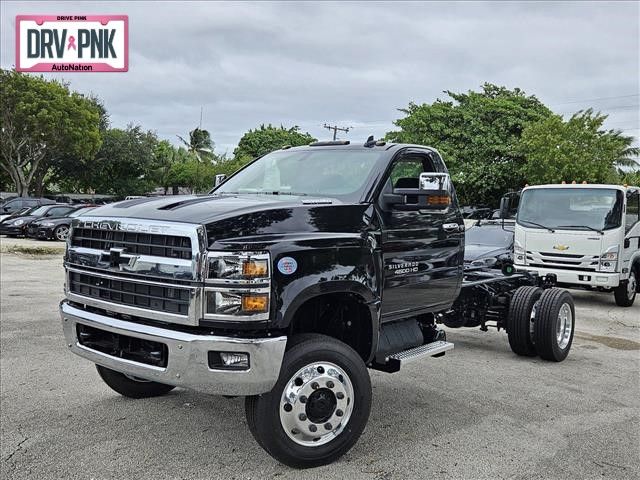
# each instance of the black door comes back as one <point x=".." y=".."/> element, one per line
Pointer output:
<point x="422" y="250"/>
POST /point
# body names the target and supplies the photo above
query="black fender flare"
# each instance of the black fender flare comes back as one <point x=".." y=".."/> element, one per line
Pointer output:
<point x="303" y="292"/>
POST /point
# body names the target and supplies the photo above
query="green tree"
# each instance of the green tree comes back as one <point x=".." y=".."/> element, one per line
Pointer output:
<point x="577" y="149"/>
<point x="478" y="135"/>
<point x="164" y="159"/>
<point x="265" y="139"/>
<point x="67" y="171"/>
<point x="630" y="177"/>
<point x="42" y="119"/>
<point x="125" y="162"/>
<point x="193" y="173"/>
<point x="199" y="144"/>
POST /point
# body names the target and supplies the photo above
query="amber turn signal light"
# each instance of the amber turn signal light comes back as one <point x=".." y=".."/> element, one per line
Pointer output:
<point x="439" y="200"/>
<point x="255" y="268"/>
<point x="255" y="303"/>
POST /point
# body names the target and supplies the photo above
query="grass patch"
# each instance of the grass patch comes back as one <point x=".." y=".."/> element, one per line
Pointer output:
<point x="29" y="250"/>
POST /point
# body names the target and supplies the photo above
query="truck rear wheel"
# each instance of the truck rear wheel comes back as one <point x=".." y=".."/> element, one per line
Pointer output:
<point x="319" y="406"/>
<point x="625" y="293"/>
<point x="519" y="322"/>
<point x="554" y="324"/>
<point x="132" y="387"/>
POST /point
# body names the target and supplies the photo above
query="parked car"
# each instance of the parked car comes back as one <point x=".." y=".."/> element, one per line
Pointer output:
<point x="55" y="228"/>
<point x="18" y="203"/>
<point x="22" y="211"/>
<point x="489" y="244"/>
<point x="16" y="226"/>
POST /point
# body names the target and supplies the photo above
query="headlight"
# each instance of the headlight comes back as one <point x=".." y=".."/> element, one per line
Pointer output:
<point x="18" y="222"/>
<point x="519" y="254"/>
<point x="238" y="286"/>
<point x="238" y="266"/>
<point x="609" y="259"/>
<point x="484" y="262"/>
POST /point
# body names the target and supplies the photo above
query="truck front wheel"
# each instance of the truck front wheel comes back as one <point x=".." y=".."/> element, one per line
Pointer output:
<point x="519" y="322"/>
<point x="625" y="293"/>
<point x="319" y="406"/>
<point x="554" y="324"/>
<point x="132" y="387"/>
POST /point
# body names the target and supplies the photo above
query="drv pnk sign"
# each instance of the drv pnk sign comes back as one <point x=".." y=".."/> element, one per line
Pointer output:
<point x="72" y="43"/>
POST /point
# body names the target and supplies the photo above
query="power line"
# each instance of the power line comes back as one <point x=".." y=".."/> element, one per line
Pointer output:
<point x="596" y="99"/>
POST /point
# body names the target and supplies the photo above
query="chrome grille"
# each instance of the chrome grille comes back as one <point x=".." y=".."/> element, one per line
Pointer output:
<point x="563" y="261"/>
<point x="169" y="246"/>
<point x="153" y="297"/>
<point x="140" y="268"/>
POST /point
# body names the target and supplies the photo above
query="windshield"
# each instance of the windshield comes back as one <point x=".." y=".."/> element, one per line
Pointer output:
<point x="488" y="235"/>
<point x="571" y="208"/>
<point x="39" y="211"/>
<point x="322" y="172"/>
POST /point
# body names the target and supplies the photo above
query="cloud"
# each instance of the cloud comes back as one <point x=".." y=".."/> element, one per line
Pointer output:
<point x="353" y="64"/>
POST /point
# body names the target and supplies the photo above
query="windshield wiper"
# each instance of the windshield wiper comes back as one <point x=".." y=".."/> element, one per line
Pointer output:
<point x="538" y="225"/>
<point x="582" y="226"/>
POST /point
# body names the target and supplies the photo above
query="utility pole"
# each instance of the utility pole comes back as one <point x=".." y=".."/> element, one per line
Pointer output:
<point x="335" y="129"/>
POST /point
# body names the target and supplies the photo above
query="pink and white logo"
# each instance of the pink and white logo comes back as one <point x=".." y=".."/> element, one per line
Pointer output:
<point x="72" y="43"/>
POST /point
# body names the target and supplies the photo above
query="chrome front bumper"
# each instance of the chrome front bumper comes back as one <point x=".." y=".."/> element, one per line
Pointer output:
<point x="187" y="364"/>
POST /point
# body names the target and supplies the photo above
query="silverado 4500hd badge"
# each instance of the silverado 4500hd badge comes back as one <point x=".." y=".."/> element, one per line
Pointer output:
<point x="402" y="268"/>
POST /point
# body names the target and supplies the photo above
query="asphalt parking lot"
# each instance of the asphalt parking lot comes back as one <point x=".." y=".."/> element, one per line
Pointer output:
<point x="480" y="412"/>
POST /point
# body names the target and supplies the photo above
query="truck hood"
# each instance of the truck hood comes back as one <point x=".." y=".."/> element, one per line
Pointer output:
<point x="563" y="241"/>
<point x="243" y="216"/>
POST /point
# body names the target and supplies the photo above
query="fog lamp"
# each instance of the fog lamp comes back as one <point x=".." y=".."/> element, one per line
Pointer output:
<point x="228" y="360"/>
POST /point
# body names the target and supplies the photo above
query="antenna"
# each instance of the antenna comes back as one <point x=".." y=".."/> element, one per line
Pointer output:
<point x="201" y="109"/>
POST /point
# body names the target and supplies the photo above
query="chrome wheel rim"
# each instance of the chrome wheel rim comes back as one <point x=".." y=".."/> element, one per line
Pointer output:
<point x="565" y="325"/>
<point x="62" y="233"/>
<point x="316" y="404"/>
<point x="631" y="286"/>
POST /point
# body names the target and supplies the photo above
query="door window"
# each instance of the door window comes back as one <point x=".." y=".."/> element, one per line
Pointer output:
<point x="57" y="211"/>
<point x="633" y="210"/>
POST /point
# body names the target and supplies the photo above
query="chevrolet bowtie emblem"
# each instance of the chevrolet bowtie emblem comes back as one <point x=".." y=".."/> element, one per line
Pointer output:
<point x="562" y="248"/>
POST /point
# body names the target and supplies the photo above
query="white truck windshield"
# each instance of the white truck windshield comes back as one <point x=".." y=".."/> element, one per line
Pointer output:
<point x="571" y="208"/>
<point x="330" y="172"/>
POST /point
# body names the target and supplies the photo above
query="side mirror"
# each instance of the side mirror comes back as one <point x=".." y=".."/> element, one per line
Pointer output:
<point x="433" y="193"/>
<point x="219" y="179"/>
<point x="504" y="207"/>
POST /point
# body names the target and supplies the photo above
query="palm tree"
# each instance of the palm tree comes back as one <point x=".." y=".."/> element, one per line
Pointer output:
<point x="199" y="144"/>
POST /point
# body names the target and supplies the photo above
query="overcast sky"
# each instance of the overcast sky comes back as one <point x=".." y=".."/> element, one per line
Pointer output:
<point x="351" y="64"/>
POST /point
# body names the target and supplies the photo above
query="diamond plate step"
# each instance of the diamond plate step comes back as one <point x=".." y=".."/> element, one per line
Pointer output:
<point x="427" y="350"/>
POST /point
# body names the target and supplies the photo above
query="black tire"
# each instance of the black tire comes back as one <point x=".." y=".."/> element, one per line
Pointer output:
<point x="59" y="230"/>
<point x="263" y="411"/>
<point x="132" y="388"/>
<point x="554" y="303"/>
<point x="519" y="321"/>
<point x="624" y="297"/>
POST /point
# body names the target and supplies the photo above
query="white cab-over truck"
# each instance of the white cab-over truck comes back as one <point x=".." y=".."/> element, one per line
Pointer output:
<point x="586" y="235"/>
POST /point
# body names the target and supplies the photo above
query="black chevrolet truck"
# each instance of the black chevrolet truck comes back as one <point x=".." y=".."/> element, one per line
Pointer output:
<point x="289" y="281"/>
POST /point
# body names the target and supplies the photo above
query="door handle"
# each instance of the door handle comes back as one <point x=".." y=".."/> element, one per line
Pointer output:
<point x="451" y="227"/>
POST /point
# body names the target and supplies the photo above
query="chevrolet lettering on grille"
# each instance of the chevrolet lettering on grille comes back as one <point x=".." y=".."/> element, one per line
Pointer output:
<point x="125" y="227"/>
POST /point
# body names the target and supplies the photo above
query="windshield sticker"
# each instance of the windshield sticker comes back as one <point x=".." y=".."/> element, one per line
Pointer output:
<point x="287" y="265"/>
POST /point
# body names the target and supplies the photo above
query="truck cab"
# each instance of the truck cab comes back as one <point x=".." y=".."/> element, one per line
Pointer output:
<point x="586" y="235"/>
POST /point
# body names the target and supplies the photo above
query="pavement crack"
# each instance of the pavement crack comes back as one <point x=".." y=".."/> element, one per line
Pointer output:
<point x="16" y="450"/>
